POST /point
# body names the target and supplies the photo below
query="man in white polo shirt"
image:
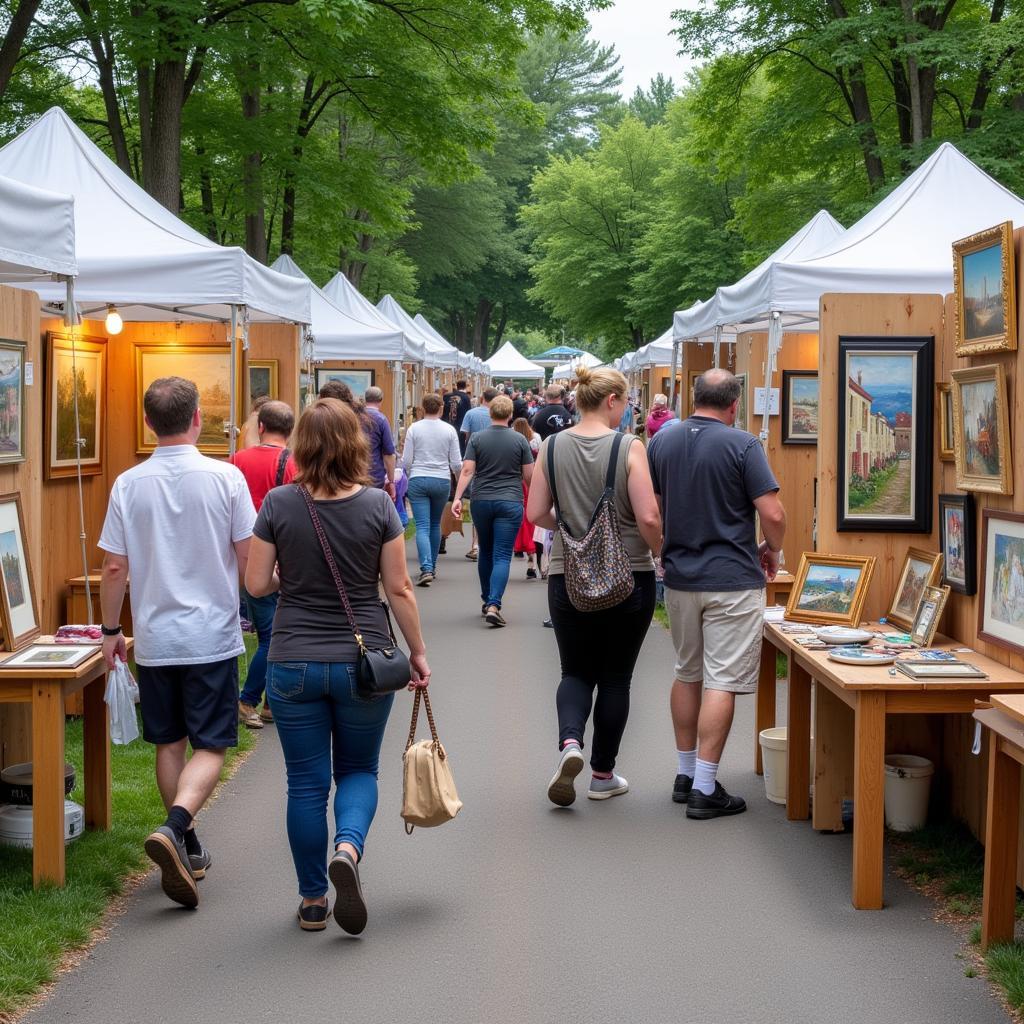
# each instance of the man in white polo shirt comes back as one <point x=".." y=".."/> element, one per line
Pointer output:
<point x="180" y="523"/>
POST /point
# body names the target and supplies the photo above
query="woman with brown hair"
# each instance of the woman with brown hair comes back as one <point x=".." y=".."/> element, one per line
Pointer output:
<point x="325" y="725"/>
<point x="525" y="544"/>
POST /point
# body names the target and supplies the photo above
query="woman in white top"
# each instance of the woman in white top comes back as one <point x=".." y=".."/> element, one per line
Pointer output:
<point x="431" y="454"/>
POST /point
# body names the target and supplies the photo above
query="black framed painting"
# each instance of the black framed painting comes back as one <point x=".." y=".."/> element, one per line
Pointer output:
<point x="884" y="456"/>
<point x="958" y="542"/>
<point x="800" y="406"/>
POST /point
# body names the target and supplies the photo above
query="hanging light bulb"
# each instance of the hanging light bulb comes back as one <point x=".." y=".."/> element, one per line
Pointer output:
<point x="113" y="323"/>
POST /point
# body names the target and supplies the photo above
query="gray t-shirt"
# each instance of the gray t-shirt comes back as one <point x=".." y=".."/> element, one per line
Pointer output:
<point x="310" y="624"/>
<point x="708" y="476"/>
<point x="500" y="454"/>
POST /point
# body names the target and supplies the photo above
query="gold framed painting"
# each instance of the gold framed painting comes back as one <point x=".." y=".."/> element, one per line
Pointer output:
<point x="944" y="409"/>
<point x="929" y="611"/>
<point x="18" y="609"/>
<point x="209" y="367"/>
<point x="984" y="285"/>
<point x="74" y="362"/>
<point x="262" y="380"/>
<point x="12" y="400"/>
<point x="920" y="569"/>
<point x="981" y="430"/>
<point x="830" y="589"/>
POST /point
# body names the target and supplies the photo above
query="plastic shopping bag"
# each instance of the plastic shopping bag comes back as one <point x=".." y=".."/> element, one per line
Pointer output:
<point x="121" y="694"/>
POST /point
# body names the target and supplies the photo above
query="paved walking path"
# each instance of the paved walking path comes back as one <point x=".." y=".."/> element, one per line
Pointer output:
<point x="518" y="912"/>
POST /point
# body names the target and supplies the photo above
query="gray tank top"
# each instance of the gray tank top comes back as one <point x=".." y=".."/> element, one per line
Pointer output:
<point x="581" y="465"/>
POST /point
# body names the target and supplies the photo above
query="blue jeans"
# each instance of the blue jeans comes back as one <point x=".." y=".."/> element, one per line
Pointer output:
<point x="497" y="523"/>
<point x="260" y="612"/>
<point x="326" y="729"/>
<point x="428" y="497"/>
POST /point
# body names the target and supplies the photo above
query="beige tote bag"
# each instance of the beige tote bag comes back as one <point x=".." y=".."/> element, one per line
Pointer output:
<point x="429" y="796"/>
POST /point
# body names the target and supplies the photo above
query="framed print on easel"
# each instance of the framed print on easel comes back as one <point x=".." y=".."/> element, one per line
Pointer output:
<point x="17" y="594"/>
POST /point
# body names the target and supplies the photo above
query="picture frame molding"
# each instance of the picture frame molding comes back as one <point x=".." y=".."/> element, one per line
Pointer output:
<point x="944" y="400"/>
<point x="97" y="345"/>
<point x="966" y="502"/>
<point x="964" y="480"/>
<point x="788" y="376"/>
<point x="1007" y="340"/>
<point x="20" y="658"/>
<point x="809" y="558"/>
<point x="273" y="365"/>
<point x="12" y="641"/>
<point x="932" y="579"/>
<point x="940" y="595"/>
<point x="318" y="370"/>
<point x="987" y="516"/>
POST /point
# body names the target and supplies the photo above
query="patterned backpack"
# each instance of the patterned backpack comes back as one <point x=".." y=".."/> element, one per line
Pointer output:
<point x="597" y="570"/>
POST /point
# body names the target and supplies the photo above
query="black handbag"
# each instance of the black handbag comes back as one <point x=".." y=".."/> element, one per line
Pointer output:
<point x="378" y="670"/>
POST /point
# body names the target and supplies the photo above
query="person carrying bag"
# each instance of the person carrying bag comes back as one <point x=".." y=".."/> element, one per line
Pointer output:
<point x="429" y="797"/>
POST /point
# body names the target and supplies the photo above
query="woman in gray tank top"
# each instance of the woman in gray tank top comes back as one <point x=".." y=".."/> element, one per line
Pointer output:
<point x="598" y="650"/>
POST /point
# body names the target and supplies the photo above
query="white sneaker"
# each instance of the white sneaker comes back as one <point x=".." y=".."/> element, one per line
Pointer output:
<point x="562" y="787"/>
<point x="602" y="789"/>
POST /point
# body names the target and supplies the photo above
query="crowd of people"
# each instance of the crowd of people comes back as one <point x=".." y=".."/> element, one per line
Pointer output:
<point x="304" y="525"/>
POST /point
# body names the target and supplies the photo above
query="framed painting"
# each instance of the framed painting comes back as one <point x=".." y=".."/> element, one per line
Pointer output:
<point x="357" y="380"/>
<point x="209" y="367"/>
<point x="12" y="401"/>
<point x="958" y="542"/>
<point x="944" y="412"/>
<point x="50" y="656"/>
<point x="920" y="569"/>
<point x="800" y="392"/>
<point x="984" y="285"/>
<point x="981" y="430"/>
<point x="741" y="409"/>
<point x="692" y="379"/>
<point x="17" y="594"/>
<point x="74" y="363"/>
<point x="929" y="611"/>
<point x="830" y="589"/>
<point x="262" y="379"/>
<point x="1001" y="608"/>
<point x="884" y="458"/>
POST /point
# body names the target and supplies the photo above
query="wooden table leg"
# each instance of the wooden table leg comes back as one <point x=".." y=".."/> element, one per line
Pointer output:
<point x="868" y="799"/>
<point x="833" y="759"/>
<point x="764" y="712"/>
<point x="47" y="782"/>
<point x="998" y="903"/>
<point x="96" y="732"/>
<point x="798" y="743"/>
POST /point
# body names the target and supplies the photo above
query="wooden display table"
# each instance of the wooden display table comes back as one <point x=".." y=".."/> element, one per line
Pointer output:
<point x="45" y="690"/>
<point x="1004" y="722"/>
<point x="852" y="762"/>
<point x="778" y="590"/>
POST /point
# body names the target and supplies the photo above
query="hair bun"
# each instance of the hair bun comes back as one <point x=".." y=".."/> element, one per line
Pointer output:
<point x="583" y="375"/>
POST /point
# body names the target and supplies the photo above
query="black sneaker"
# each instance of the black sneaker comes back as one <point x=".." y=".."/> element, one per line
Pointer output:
<point x="548" y="624"/>
<point x="426" y="578"/>
<point x="531" y="573"/>
<point x="313" y="918"/>
<point x="200" y="862"/>
<point x="700" y="805"/>
<point x="681" y="789"/>
<point x="168" y="852"/>
<point x="443" y="549"/>
<point x="349" y="907"/>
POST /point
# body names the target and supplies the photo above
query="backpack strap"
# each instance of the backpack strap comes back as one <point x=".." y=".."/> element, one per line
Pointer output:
<point x="551" y="474"/>
<point x="282" y="463"/>
<point x="613" y="463"/>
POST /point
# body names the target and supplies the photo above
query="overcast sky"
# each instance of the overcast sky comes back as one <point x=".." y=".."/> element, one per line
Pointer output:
<point x="639" y="31"/>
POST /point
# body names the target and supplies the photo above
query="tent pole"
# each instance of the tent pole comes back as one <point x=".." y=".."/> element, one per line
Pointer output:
<point x="774" y="344"/>
<point x="232" y="382"/>
<point x="672" y="375"/>
<point x="71" y="320"/>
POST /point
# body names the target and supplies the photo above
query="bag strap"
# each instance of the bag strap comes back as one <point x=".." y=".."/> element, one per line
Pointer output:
<point x="282" y="464"/>
<point x="551" y="474"/>
<point x="421" y="694"/>
<point x="613" y="462"/>
<point x="333" y="566"/>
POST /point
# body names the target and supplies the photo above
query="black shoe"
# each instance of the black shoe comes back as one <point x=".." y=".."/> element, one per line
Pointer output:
<point x="168" y="852"/>
<point x="681" y="789"/>
<point x="349" y="908"/>
<point x="426" y="578"/>
<point x="548" y="624"/>
<point x="719" y="803"/>
<point x="443" y="550"/>
<point x="313" y="918"/>
<point x="531" y="573"/>
<point x="200" y="862"/>
<point x="520" y="554"/>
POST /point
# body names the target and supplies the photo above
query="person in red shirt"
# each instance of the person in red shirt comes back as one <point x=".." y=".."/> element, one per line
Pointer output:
<point x="264" y="467"/>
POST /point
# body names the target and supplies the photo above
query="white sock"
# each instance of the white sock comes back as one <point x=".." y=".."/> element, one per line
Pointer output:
<point x="687" y="761"/>
<point x="704" y="776"/>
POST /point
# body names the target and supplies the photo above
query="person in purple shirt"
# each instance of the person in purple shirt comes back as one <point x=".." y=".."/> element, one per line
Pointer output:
<point x="378" y="434"/>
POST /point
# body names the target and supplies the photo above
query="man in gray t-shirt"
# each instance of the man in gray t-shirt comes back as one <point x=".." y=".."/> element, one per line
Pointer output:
<point x="711" y="480"/>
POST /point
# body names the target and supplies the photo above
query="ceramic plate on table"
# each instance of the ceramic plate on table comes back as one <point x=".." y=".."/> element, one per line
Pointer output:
<point x="843" y="635"/>
<point x="860" y="656"/>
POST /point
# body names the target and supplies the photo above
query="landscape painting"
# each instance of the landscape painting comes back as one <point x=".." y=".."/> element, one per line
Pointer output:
<point x="10" y="563"/>
<point x="984" y="284"/>
<point x="830" y="589"/>
<point x="1002" y="607"/>
<point x="357" y="380"/>
<point x="83" y="366"/>
<point x="17" y="598"/>
<point x="920" y="569"/>
<point x="885" y="434"/>
<point x="262" y="379"/>
<point x="209" y="367"/>
<point x="12" y="394"/>
<point x="800" y="398"/>
<point x="981" y="442"/>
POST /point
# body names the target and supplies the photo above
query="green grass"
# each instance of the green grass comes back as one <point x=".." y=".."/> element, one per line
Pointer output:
<point x="948" y="857"/>
<point x="39" y="926"/>
<point x="1005" y="965"/>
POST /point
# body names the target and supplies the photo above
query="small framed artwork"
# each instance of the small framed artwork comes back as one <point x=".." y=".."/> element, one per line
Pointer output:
<point x="884" y="458"/>
<point x="12" y="401"/>
<point x="694" y="374"/>
<point x="17" y="595"/>
<point x="262" y="379"/>
<point x="920" y="569"/>
<point x="981" y="430"/>
<point x="74" y="363"/>
<point x="800" y="406"/>
<point x="830" y="589"/>
<point x="1001" y="608"/>
<point x="958" y="542"/>
<point x="929" y="611"/>
<point x="984" y="285"/>
<point x="741" y="409"/>
<point x="50" y="656"/>
<point x="357" y="380"/>
<point x="944" y="407"/>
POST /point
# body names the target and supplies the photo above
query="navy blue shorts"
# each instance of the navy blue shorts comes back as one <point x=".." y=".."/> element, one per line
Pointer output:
<point x="197" y="701"/>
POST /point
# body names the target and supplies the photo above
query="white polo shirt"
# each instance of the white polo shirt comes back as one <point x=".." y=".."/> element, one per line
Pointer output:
<point x="175" y="518"/>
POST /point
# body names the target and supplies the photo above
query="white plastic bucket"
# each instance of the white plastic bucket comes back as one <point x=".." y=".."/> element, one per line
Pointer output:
<point x="773" y="758"/>
<point x="908" y="783"/>
<point x="16" y="824"/>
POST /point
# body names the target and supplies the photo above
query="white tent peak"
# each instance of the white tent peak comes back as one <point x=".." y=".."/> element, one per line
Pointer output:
<point x="439" y="353"/>
<point x="509" y="362"/>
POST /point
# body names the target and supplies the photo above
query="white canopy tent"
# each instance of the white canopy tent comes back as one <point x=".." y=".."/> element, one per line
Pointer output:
<point x="463" y="360"/>
<point x="349" y="299"/>
<point x="436" y="354"/>
<point x="509" y="363"/>
<point x="37" y="233"/>
<point x="568" y="370"/>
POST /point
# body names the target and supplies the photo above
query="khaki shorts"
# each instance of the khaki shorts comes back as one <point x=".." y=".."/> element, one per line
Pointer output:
<point x="717" y="636"/>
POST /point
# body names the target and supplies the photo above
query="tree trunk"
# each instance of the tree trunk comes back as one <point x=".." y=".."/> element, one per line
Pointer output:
<point x="482" y="324"/>
<point x="913" y="76"/>
<point x="255" y="212"/>
<point x="986" y="76"/>
<point x="459" y="332"/>
<point x="206" y="195"/>
<point x="860" y="106"/>
<point x="502" y="323"/>
<point x="638" y="337"/>
<point x="161" y="158"/>
<point x="10" y="51"/>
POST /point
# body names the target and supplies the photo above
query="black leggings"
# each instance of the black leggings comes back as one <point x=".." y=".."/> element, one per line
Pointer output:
<point x="598" y="649"/>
